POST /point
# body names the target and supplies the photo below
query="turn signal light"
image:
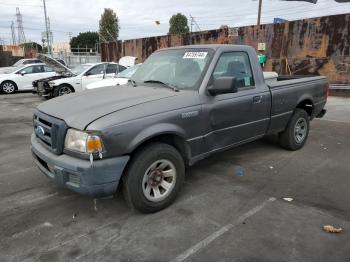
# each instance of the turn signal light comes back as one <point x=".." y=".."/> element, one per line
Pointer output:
<point x="94" y="144"/>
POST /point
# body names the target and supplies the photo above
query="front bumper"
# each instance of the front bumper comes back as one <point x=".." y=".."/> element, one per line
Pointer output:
<point x="78" y="175"/>
<point x="42" y="90"/>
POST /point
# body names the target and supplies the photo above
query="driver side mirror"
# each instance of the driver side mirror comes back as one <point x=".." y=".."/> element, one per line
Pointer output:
<point x="223" y="85"/>
<point x="23" y="73"/>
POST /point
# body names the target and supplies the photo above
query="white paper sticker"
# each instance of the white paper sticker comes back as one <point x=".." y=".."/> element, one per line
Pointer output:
<point x="195" y="55"/>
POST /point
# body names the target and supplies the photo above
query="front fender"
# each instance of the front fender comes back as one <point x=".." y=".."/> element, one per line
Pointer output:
<point x="154" y="131"/>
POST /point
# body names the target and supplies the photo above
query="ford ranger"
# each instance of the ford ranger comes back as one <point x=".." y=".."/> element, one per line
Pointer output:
<point x="182" y="105"/>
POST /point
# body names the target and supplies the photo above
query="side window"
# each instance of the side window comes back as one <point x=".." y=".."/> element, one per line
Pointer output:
<point x="97" y="70"/>
<point x="235" y="64"/>
<point x="47" y="69"/>
<point x="112" y="69"/>
<point x="38" y="69"/>
<point x="27" y="70"/>
<point x="121" y="68"/>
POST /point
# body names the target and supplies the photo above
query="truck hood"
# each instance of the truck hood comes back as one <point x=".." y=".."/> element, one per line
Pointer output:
<point x="54" y="64"/>
<point x="78" y="110"/>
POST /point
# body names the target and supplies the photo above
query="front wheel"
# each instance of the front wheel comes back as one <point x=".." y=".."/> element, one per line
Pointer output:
<point x="296" y="132"/>
<point x="8" y="87"/>
<point x="62" y="90"/>
<point x="154" y="177"/>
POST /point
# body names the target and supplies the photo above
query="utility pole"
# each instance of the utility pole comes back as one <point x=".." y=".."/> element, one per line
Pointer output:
<point x="13" y="33"/>
<point x="47" y="31"/>
<point x="259" y="12"/>
<point x="191" y="23"/>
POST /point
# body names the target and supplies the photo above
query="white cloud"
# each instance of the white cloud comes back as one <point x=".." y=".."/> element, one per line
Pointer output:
<point x="137" y="17"/>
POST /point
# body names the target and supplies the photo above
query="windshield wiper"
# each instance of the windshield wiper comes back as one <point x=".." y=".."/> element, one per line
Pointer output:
<point x="174" y="88"/>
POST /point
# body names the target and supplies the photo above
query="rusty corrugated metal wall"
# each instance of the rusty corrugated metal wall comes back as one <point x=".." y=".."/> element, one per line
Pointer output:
<point x="318" y="46"/>
<point x="9" y="54"/>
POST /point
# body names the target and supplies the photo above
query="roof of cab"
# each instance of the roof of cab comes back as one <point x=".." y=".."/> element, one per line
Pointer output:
<point x="208" y="46"/>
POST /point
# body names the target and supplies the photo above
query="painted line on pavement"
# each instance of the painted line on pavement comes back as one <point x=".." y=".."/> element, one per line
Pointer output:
<point x="205" y="242"/>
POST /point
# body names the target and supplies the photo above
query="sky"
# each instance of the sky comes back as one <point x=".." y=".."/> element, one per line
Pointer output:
<point x="137" y="17"/>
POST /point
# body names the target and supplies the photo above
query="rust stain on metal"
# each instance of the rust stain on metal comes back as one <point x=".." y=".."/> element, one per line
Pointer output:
<point x="317" y="46"/>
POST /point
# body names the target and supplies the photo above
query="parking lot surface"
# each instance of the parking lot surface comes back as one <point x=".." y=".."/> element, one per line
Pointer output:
<point x="230" y="209"/>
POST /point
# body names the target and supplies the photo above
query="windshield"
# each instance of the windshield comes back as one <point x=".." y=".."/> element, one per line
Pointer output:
<point x="127" y="73"/>
<point x="180" y="68"/>
<point x="79" y="69"/>
<point x="18" y="63"/>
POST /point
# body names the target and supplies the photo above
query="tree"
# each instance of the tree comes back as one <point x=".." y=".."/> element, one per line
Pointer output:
<point x="178" y="24"/>
<point x="83" y="40"/>
<point x="32" y="45"/>
<point x="109" y="25"/>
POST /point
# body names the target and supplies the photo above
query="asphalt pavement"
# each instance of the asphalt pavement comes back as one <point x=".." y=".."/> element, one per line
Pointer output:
<point x="230" y="209"/>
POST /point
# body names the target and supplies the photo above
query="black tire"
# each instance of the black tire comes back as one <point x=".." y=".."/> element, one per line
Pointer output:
<point x="291" y="138"/>
<point x="134" y="183"/>
<point x="8" y="87"/>
<point x="59" y="90"/>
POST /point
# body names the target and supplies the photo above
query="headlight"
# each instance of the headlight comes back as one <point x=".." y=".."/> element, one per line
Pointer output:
<point x="82" y="142"/>
<point x="51" y="84"/>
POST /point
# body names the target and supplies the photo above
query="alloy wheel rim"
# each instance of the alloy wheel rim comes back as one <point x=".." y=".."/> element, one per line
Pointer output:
<point x="8" y="88"/>
<point x="159" y="180"/>
<point x="64" y="91"/>
<point x="300" y="130"/>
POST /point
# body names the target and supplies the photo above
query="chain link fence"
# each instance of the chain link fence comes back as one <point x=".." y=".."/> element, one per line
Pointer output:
<point x="78" y="56"/>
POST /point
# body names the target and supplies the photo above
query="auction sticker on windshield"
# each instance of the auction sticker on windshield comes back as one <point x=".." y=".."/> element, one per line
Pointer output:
<point x="196" y="55"/>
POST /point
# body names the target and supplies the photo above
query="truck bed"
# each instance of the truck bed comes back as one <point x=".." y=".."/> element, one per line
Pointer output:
<point x="288" y="94"/>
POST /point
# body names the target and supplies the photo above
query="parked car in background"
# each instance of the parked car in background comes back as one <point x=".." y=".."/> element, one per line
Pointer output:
<point x="21" y="78"/>
<point x="120" y="79"/>
<point x="18" y="64"/>
<point x="186" y="104"/>
<point x="75" y="79"/>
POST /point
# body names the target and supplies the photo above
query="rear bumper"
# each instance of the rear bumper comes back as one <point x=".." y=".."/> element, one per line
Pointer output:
<point x="78" y="175"/>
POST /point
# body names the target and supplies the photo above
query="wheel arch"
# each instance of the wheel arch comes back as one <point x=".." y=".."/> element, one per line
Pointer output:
<point x="67" y="84"/>
<point x="168" y="134"/>
<point x="306" y="103"/>
<point x="12" y="81"/>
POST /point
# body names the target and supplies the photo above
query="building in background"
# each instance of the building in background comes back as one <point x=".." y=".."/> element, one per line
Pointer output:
<point x="61" y="47"/>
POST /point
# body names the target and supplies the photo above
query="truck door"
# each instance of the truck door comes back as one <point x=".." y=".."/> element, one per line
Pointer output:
<point x="241" y="116"/>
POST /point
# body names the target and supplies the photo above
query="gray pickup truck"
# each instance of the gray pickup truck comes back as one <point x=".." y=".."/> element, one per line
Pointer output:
<point x="181" y="106"/>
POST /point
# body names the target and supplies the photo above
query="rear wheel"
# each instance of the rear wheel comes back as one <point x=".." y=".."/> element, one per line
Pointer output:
<point x="154" y="177"/>
<point x="297" y="131"/>
<point x="8" y="87"/>
<point x="63" y="90"/>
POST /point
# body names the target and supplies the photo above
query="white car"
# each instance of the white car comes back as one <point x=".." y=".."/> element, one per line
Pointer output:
<point x="18" y="64"/>
<point x="21" y="78"/>
<point x="81" y="76"/>
<point x="121" y="79"/>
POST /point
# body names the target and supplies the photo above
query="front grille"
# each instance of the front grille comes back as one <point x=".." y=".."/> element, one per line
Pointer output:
<point x="40" y="86"/>
<point x="51" y="131"/>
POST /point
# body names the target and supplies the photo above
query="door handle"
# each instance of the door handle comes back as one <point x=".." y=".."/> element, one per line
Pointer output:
<point x="257" y="99"/>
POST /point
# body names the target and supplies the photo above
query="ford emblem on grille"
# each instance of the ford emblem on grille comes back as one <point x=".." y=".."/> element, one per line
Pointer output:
<point x="40" y="130"/>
